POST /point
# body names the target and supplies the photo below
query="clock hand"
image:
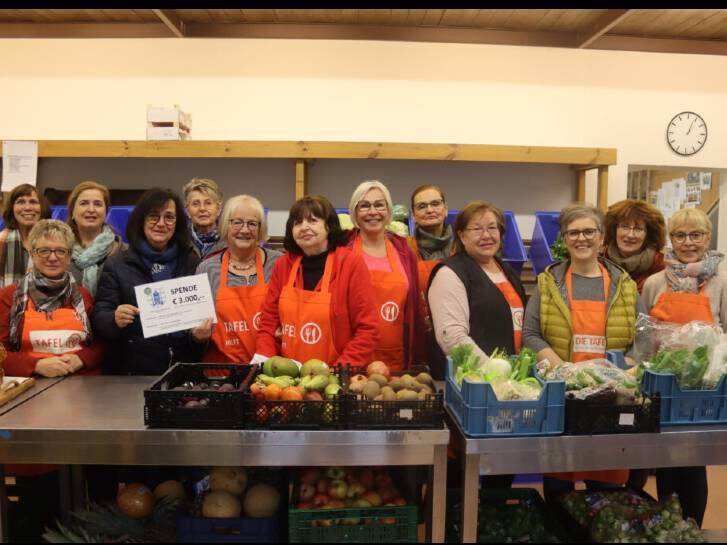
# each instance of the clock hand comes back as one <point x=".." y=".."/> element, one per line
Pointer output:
<point x="692" y="125"/>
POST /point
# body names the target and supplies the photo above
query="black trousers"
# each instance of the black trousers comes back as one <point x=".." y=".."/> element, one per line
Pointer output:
<point x="690" y="484"/>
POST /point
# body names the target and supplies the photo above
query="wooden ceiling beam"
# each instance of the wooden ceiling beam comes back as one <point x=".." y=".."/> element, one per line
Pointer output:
<point x="173" y="22"/>
<point x="658" y="45"/>
<point x="606" y="22"/>
<point x="84" y="30"/>
<point x="379" y="32"/>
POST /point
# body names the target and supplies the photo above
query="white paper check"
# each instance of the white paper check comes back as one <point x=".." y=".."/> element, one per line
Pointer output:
<point x="174" y="305"/>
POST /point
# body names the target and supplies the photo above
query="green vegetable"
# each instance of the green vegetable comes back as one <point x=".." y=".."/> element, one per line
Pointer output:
<point x="558" y="249"/>
<point x="523" y="364"/>
<point x="688" y="366"/>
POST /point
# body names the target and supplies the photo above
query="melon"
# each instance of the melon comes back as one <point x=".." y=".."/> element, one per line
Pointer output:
<point x="261" y="501"/>
<point x="228" y="479"/>
<point x="221" y="505"/>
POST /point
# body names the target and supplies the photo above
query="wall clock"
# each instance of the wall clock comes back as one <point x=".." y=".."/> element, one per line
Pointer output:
<point x="686" y="133"/>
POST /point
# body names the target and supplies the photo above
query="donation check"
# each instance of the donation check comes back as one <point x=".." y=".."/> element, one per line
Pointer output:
<point x="174" y="305"/>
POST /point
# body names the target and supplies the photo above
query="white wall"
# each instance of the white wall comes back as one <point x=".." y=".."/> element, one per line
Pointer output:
<point x="381" y="91"/>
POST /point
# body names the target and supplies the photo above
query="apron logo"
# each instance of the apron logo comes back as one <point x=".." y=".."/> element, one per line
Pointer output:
<point x="589" y="344"/>
<point x="56" y="342"/>
<point x="517" y="319"/>
<point x="310" y="333"/>
<point x="256" y="321"/>
<point x="390" y="311"/>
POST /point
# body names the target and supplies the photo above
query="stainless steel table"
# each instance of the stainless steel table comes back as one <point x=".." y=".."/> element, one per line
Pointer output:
<point x="677" y="446"/>
<point x="99" y="420"/>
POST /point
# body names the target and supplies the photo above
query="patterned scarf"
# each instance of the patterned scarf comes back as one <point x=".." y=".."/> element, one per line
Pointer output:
<point x="204" y="242"/>
<point x="432" y="246"/>
<point x="689" y="277"/>
<point x="48" y="294"/>
<point x="17" y="260"/>
<point x="636" y="264"/>
<point x="161" y="264"/>
<point x="89" y="259"/>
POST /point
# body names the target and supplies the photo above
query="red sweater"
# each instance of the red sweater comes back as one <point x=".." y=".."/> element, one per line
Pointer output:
<point x="353" y="313"/>
<point x="22" y="364"/>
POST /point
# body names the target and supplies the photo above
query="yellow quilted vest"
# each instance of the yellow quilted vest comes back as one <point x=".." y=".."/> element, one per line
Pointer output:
<point x="555" y="317"/>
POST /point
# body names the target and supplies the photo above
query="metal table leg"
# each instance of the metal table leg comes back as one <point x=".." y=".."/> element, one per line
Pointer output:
<point x="470" y="497"/>
<point x="66" y="496"/>
<point x="438" y="503"/>
<point x="78" y="487"/>
<point x="3" y="507"/>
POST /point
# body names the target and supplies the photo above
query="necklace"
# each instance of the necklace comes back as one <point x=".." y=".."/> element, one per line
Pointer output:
<point x="242" y="266"/>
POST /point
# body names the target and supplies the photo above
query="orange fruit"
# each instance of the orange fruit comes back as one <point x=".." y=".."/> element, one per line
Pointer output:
<point x="257" y="390"/>
<point x="273" y="392"/>
<point x="292" y="393"/>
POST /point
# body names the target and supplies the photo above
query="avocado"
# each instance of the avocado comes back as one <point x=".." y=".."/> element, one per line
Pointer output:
<point x="284" y="367"/>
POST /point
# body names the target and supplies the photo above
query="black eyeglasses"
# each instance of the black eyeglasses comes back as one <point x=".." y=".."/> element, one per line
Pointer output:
<point x="46" y="252"/>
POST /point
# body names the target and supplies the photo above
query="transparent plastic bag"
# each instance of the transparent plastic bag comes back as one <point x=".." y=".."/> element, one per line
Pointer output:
<point x="597" y="380"/>
<point x="717" y="365"/>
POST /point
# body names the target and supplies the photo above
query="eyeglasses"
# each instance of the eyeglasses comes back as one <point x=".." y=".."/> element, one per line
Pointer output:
<point x="588" y="234"/>
<point x="638" y="231"/>
<point x="379" y="206"/>
<point x="236" y="224"/>
<point x="46" y="252"/>
<point x="422" y="206"/>
<point x="153" y="219"/>
<point x="695" y="236"/>
<point x="479" y="231"/>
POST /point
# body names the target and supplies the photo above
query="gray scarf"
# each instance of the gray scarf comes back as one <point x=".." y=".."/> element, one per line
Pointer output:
<point x="434" y="247"/>
<point x="636" y="264"/>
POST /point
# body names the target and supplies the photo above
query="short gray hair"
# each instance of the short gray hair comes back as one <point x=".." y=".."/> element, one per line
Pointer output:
<point x="234" y="202"/>
<point x="52" y="229"/>
<point x="203" y="185"/>
<point x="577" y="211"/>
<point x="360" y="192"/>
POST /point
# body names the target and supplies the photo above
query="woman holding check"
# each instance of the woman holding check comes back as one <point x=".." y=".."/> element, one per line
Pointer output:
<point x="158" y="250"/>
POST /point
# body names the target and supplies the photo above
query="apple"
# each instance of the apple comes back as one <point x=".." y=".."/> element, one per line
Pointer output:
<point x="313" y="396"/>
<point x="387" y="494"/>
<point x="334" y="504"/>
<point x="310" y="476"/>
<point x="366" y="478"/>
<point x="337" y="489"/>
<point x="362" y="503"/>
<point x="335" y="473"/>
<point x="382" y="480"/>
<point x="399" y="501"/>
<point x="373" y="498"/>
<point x="305" y="505"/>
<point x="319" y="500"/>
<point x="307" y="491"/>
<point x="355" y="489"/>
<point x="322" y="486"/>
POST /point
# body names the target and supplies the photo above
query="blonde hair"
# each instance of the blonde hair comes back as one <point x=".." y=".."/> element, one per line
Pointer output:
<point x="694" y="216"/>
<point x="203" y="185"/>
<point x="360" y="192"/>
<point x="76" y="193"/>
<point x="230" y="206"/>
<point x="53" y="229"/>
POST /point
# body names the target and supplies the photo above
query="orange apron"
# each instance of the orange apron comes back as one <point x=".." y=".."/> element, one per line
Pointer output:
<point x="305" y="318"/>
<point x="238" y="316"/>
<point x="390" y="291"/>
<point x="681" y="308"/>
<point x="424" y="267"/>
<point x="43" y="338"/>
<point x="517" y="311"/>
<point x="589" y="342"/>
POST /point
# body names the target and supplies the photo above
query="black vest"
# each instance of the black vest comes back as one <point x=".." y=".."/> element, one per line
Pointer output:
<point x="490" y="314"/>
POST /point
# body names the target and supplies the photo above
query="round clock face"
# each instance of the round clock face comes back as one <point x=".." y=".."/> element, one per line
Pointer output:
<point x="686" y="133"/>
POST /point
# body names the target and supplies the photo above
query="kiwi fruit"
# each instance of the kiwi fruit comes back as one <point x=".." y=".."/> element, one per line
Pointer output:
<point x="388" y="394"/>
<point x="381" y="380"/>
<point x="406" y="395"/>
<point x="371" y="389"/>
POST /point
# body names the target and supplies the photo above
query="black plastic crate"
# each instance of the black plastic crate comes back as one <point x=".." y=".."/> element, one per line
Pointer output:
<point x="163" y="406"/>
<point x="365" y="414"/>
<point x="584" y="418"/>
<point x="298" y="415"/>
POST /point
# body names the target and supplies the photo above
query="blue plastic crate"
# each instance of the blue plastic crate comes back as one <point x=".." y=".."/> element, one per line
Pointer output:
<point x="544" y="234"/>
<point x="228" y="530"/>
<point x="59" y="212"/>
<point x="117" y="217"/>
<point x="481" y="414"/>
<point x="513" y="249"/>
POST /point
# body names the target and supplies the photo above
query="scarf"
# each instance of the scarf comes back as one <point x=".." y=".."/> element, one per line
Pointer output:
<point x="48" y="294"/>
<point x="636" y="264"/>
<point x="689" y="277"/>
<point x="89" y="260"/>
<point x="161" y="264"/>
<point x="432" y="246"/>
<point x="17" y="259"/>
<point x="204" y="242"/>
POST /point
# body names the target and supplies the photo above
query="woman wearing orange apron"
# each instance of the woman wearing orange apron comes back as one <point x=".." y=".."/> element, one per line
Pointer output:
<point x="583" y="306"/>
<point x="690" y="288"/>
<point x="394" y="274"/>
<point x="44" y="325"/>
<point x="319" y="301"/>
<point x="238" y="277"/>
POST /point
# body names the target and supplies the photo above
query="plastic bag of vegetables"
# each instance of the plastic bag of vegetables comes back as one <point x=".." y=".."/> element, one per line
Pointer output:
<point x="400" y="213"/>
<point x="398" y="228"/>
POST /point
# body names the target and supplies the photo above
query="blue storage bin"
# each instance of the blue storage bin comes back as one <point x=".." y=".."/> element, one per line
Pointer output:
<point x="544" y="234"/>
<point x="117" y="217"/>
<point x="513" y="250"/>
<point x="228" y="530"/>
<point x="481" y="414"/>
<point x="59" y="212"/>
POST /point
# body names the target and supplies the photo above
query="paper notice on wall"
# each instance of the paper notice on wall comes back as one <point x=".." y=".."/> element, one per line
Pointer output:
<point x="706" y="179"/>
<point x="20" y="163"/>
<point x="694" y="193"/>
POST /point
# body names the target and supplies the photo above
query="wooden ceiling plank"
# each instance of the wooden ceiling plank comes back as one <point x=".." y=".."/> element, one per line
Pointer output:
<point x="416" y="16"/>
<point x="660" y="45"/>
<point x="122" y="15"/>
<point x="698" y="18"/>
<point x="147" y="15"/>
<point x="551" y="20"/>
<point x="499" y="18"/>
<point x="398" y="17"/>
<point x="719" y="28"/>
<point x="349" y="16"/>
<point x="712" y="27"/>
<point x="219" y="16"/>
<point x="605" y="23"/>
<point x="97" y="15"/>
<point x="84" y="30"/>
<point x="327" y="150"/>
<point x="324" y="15"/>
<point x="526" y="19"/>
<point x="194" y="15"/>
<point x="15" y="15"/>
<point x="653" y="22"/>
<point x="459" y="17"/>
<point x="260" y="15"/>
<point x="483" y="18"/>
<point x="432" y="17"/>
<point x="172" y="21"/>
